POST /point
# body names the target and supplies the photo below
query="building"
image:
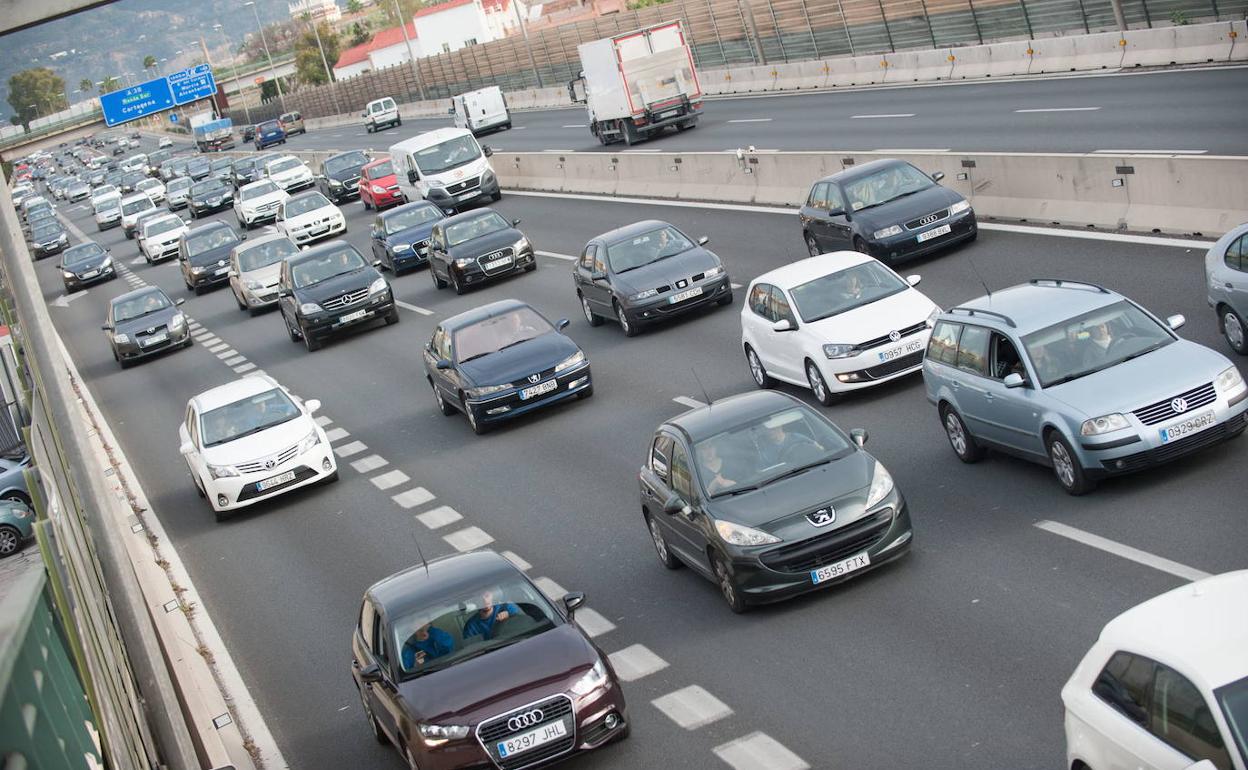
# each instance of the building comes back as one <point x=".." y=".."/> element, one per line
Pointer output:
<point x="317" y="10"/>
<point x="451" y="25"/>
<point x="387" y="49"/>
<point x="353" y="61"/>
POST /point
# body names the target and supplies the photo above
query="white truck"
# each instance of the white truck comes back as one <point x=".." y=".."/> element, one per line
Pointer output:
<point x="482" y="110"/>
<point x="638" y="83"/>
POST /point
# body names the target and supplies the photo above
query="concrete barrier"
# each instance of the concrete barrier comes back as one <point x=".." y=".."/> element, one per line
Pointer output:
<point x="1097" y="52"/>
<point x="1008" y="59"/>
<point x="813" y="74"/>
<point x="1179" y="45"/>
<point x="788" y="77"/>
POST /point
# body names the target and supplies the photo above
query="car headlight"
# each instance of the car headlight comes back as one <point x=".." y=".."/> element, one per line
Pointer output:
<point x="712" y="272"/>
<point x="309" y="307"/>
<point x="1106" y="424"/>
<point x="335" y="183"/>
<point x="197" y="270"/>
<point x="63" y="238"/>
<point x="932" y="316"/>
<point x="487" y="177"/>
<point x="22" y="511"/>
<point x="738" y="534"/>
<point x="959" y="207"/>
<point x="378" y="286"/>
<point x="576" y="359"/>
<point x="592" y="679"/>
<point x="436" y="735"/>
<point x="177" y="321"/>
<point x="221" y="471"/>
<point x="309" y="441"/>
<point x="108" y="262"/>
<point x="838" y="350"/>
<point x="464" y="261"/>
<point x="378" y="190"/>
<point x="643" y="295"/>
<point x="402" y="247"/>
<point x="121" y="339"/>
<point x="881" y="485"/>
<point x="887" y="232"/>
<point x="486" y="390"/>
<point x="520" y="245"/>
<point x="1229" y="380"/>
<point x="68" y="275"/>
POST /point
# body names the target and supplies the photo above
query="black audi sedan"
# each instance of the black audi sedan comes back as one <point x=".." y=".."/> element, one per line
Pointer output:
<point x="645" y="272"/>
<point x="85" y="264"/>
<point x="339" y="175"/>
<point x="464" y="664"/>
<point x="144" y="323"/>
<point x="468" y="249"/>
<point x="204" y="255"/>
<point x="502" y="360"/>
<point x="208" y="196"/>
<point x="329" y="288"/>
<point x="400" y="236"/>
<point x="767" y="498"/>
<point x="886" y="208"/>
<point x="47" y="237"/>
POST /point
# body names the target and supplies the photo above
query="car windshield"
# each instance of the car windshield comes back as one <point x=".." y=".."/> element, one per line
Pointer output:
<point x="221" y="163"/>
<point x="47" y="230"/>
<point x="344" y="162"/>
<point x="246" y="417"/>
<point x="133" y="207"/>
<point x="757" y="453"/>
<point x="475" y="227"/>
<point x="447" y="155"/>
<point x="148" y="184"/>
<point x="650" y="246"/>
<point x="208" y="187"/>
<point x="162" y="225"/>
<point x="413" y="217"/>
<point x="383" y="169"/>
<point x="270" y="126"/>
<point x="82" y="253"/>
<point x="498" y="332"/>
<point x="244" y="165"/>
<point x="196" y="166"/>
<point x="1093" y="341"/>
<point x="251" y="192"/>
<point x="178" y="184"/>
<point x="130" y="309"/>
<point x="842" y="291"/>
<point x="457" y="627"/>
<point x="213" y="239"/>
<point x="285" y="164"/>
<point x="305" y="203"/>
<point x="1233" y="698"/>
<point x="887" y="184"/>
<point x="107" y="204"/>
<point x="266" y="253"/>
<point x="322" y="267"/>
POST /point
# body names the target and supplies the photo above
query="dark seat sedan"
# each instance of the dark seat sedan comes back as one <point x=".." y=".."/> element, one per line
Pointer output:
<point x="47" y="237"/>
<point x="767" y="498"/>
<point x="204" y="255"/>
<point x="645" y="272"/>
<point x="208" y="196"/>
<point x="85" y="264"/>
<point x="329" y="288"/>
<point x="339" y="175"/>
<point x="464" y="664"/>
<point x="400" y="236"/>
<point x="144" y="323"/>
<point x="468" y="249"/>
<point x="503" y="360"/>
<point x="886" y="208"/>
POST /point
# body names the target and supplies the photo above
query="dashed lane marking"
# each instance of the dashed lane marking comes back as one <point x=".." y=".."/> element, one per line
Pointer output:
<point x="413" y="308"/>
<point x="235" y="361"/>
<point x="576" y="125"/>
<point x="1059" y="109"/>
<point x="390" y="479"/>
<point x="370" y="464"/>
<point x="439" y="517"/>
<point x="555" y="255"/>
<point x="517" y="560"/>
<point x="1125" y="551"/>
<point x="346" y="450"/>
<point x="886" y="115"/>
<point x="333" y="434"/>
<point x="635" y="662"/>
<point x="244" y="368"/>
<point x="323" y="421"/>
<point x="468" y="539"/>
<point x="1151" y="152"/>
<point x="692" y="403"/>
<point x="736" y="286"/>
<point x="553" y="590"/>
<point x="413" y="497"/>
<point x="759" y="751"/>
<point x="592" y="622"/>
<point x="690" y="707"/>
<point x="228" y="353"/>
<point x="751" y="120"/>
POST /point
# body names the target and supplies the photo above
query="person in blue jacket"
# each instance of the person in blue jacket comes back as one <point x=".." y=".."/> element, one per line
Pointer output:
<point x="424" y="645"/>
<point x="483" y="622"/>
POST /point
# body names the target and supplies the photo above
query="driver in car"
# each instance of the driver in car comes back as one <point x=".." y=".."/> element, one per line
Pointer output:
<point x="482" y="623"/>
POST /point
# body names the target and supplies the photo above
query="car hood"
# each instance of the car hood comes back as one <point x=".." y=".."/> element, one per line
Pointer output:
<point x="216" y="194"/>
<point x="903" y="309"/>
<point x="266" y="275"/>
<point x="905" y="209"/>
<point x="168" y="237"/>
<point x="312" y="217"/>
<point x="87" y="264"/>
<point x="179" y="193"/>
<point x="260" y="445"/>
<point x="779" y="507"/>
<point x="478" y="689"/>
<point x="486" y="243"/>
<point x="514" y="363"/>
<point x="254" y="203"/>
<point x="291" y="173"/>
<point x="390" y="180"/>
<point x="219" y="254"/>
<point x="665" y="272"/>
<point x="333" y="287"/>
<point x="411" y="234"/>
<point x="151" y="320"/>
<point x="342" y="175"/>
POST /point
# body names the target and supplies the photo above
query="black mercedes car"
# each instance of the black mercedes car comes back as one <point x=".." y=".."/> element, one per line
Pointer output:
<point x="208" y="196"/>
<point x="503" y="360"/>
<point x="143" y="323"/>
<point x="473" y="248"/>
<point x="339" y="175"/>
<point x="767" y="498"/>
<point x="204" y="255"/>
<point x="48" y="237"/>
<point x="886" y="208"/>
<point x="85" y="264"/>
<point x="328" y="288"/>
<point x="249" y="133"/>
<point x="646" y="272"/>
<point x="400" y="236"/>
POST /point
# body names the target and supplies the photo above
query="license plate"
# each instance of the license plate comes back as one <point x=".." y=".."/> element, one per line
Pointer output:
<point x="538" y="390"/>
<point x="696" y="291"/>
<point x="843" y="567"/>
<point x="466" y="196"/>
<point x="532" y="739"/>
<point x="91" y="274"/>
<point x="667" y="114"/>
<point x="1187" y="427"/>
<point x="349" y="317"/>
<point x="275" y="481"/>
<point x="496" y="263"/>
<point x="222" y="270"/>
<point x="913" y="346"/>
<point x="154" y="339"/>
<point x="936" y="232"/>
<point x="319" y="231"/>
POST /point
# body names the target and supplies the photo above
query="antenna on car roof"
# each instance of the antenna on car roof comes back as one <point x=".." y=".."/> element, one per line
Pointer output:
<point x="705" y="395"/>
<point x="421" y="554"/>
<point x="982" y="282"/>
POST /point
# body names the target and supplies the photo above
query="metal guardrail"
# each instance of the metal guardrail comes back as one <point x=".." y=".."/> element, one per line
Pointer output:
<point x="51" y="129"/>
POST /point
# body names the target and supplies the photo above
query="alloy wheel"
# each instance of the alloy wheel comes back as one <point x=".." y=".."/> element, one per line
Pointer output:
<point x="660" y="544"/>
<point x="1233" y="328"/>
<point x="957" y="436"/>
<point x="817" y="384"/>
<point x="1063" y="465"/>
<point x="628" y="329"/>
<point x="8" y="541"/>
<point x="589" y="314"/>
<point x="811" y="246"/>
<point x="756" y="368"/>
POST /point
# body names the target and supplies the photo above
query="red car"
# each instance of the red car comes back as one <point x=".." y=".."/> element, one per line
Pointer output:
<point x="379" y="187"/>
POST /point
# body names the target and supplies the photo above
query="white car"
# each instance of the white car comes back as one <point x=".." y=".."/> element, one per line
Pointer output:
<point x="164" y="142"/>
<point x="257" y="202"/>
<point x="1165" y="687"/>
<point x="834" y="323"/>
<point x="158" y="236"/>
<point x="255" y="267"/>
<point x="178" y="192"/>
<point x="135" y="163"/>
<point x="153" y="188"/>
<point x="381" y="113"/>
<point x="289" y="173"/>
<point x="250" y="440"/>
<point x="309" y="217"/>
<point x="131" y="207"/>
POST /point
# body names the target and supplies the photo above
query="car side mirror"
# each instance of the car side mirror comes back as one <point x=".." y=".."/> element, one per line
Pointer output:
<point x="363" y="114"/>
<point x="673" y="504"/>
<point x="376" y="263"/>
<point x="704" y="240"/>
<point x="284" y="292"/>
<point x="107" y="327"/>
<point x="598" y="275"/>
<point x="783" y="325"/>
<point x="836" y="212"/>
<point x="572" y="600"/>
<point x="450" y="111"/>
<point x="1176" y="322"/>
<point x="180" y="301"/>
<point x="370" y="674"/>
<point x="1014" y="380"/>
<point x="108" y="249"/>
<point x="233" y="273"/>
<point x="487" y="151"/>
<point x="186" y="448"/>
<point x="913" y="280"/>
<point x="561" y="324"/>
<point x="412" y="177"/>
<point x="939" y="175"/>
<point x="859" y="435"/>
<point x="442" y="364"/>
<point x="312" y="405"/>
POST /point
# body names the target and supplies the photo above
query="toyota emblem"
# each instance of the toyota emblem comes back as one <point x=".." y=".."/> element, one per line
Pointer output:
<point x="270" y="463"/>
<point x="530" y="718"/>
<point x="535" y="378"/>
<point x="822" y="517"/>
<point x="1179" y="405"/>
<point x="894" y="335"/>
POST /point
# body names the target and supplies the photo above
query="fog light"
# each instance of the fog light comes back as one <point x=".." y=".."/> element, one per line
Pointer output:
<point x="222" y="501"/>
<point x="577" y="383"/>
<point x="849" y="377"/>
<point x="498" y="410"/>
<point x="1119" y="464"/>
<point x="326" y="466"/>
<point x="612" y="721"/>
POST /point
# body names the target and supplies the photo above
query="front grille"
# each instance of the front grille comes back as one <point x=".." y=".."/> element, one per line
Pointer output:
<point x="876" y="342"/>
<point x="1162" y="410"/>
<point x="499" y="254"/>
<point x="350" y="298"/>
<point x="142" y="335"/>
<point x="894" y="366"/>
<point x="523" y="382"/>
<point x="830" y="547"/>
<point x="302" y="474"/>
<point x="1170" y="451"/>
<point x="278" y="459"/>
<point x="459" y="187"/>
<point x="927" y="219"/>
<point x="492" y="731"/>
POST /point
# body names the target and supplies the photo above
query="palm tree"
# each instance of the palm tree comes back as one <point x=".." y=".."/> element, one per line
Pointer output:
<point x="84" y="85"/>
<point x="109" y="84"/>
<point x="149" y="61"/>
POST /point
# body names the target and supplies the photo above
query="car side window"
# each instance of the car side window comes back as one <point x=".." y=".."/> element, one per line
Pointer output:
<point x="818" y="196"/>
<point x="835" y="201"/>
<point x="780" y="306"/>
<point x="660" y="458"/>
<point x="760" y="300"/>
<point x="1005" y="358"/>
<point x="973" y="350"/>
<point x="1124" y="684"/>
<point x="943" y="345"/>
<point x="1237" y="255"/>
<point x="682" y="483"/>
<point x="194" y="429"/>
<point x="1179" y="716"/>
<point x="378" y="647"/>
<point x="367" y="617"/>
<point x="600" y="264"/>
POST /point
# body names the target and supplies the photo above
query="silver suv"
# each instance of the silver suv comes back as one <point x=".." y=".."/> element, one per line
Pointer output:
<point x="1079" y="378"/>
<point x="1226" y="276"/>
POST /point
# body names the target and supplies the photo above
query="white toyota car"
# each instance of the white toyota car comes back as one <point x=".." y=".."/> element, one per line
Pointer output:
<point x="257" y="202"/>
<point x="309" y="217"/>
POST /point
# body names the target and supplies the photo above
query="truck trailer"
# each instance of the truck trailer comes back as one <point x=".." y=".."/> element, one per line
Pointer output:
<point x="213" y="135"/>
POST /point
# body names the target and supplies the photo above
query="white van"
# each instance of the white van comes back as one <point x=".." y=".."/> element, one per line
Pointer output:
<point x="446" y="167"/>
<point x="381" y="113"/>
<point x="482" y="110"/>
<point x="107" y="210"/>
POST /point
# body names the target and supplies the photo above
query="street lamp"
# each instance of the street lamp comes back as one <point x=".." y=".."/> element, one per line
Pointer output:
<point x="272" y="70"/>
<point x="411" y="56"/>
<point x="237" y="82"/>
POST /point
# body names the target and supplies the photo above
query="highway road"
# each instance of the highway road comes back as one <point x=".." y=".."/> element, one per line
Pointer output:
<point x="951" y="657"/>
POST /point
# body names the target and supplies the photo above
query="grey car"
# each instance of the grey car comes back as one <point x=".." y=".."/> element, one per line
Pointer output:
<point x="1226" y="276"/>
<point x="1079" y="378"/>
<point x="143" y="323"/>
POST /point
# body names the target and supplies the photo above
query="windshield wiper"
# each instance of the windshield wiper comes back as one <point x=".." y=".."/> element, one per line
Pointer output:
<point x="1145" y="351"/>
<point x="1072" y="376"/>
<point x="735" y="492"/>
<point x="890" y="200"/>
<point x="517" y="342"/>
<point x="140" y="315"/>
<point x="344" y="272"/>
<point x="798" y="470"/>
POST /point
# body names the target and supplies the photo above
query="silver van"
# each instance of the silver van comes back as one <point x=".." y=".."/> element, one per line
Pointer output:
<point x="1226" y="278"/>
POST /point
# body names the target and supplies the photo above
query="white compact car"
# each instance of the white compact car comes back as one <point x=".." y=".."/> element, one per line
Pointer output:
<point x="165" y="142"/>
<point x="255" y="267"/>
<point x="257" y="202"/>
<point x="250" y="440"/>
<point x="152" y="188"/>
<point x="1165" y="687"/>
<point x="834" y="323"/>
<point x="158" y="237"/>
<point x="289" y="173"/>
<point x="178" y="192"/>
<point x="309" y="217"/>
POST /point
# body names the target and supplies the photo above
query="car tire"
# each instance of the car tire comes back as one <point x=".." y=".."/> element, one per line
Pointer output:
<point x="379" y="735"/>
<point x="438" y="283"/>
<point x="479" y="428"/>
<point x="498" y="196"/>
<point x="368" y="128"/>
<point x="630" y="329"/>
<point x="960" y="439"/>
<point x="199" y="290"/>
<point x="531" y="266"/>
<point x="812" y="247"/>
<point x="310" y="341"/>
<point x="666" y="557"/>
<point x="455" y="284"/>
<point x="294" y="335"/>
<point x="860" y="245"/>
<point x="818" y="385"/>
<point x="590" y="316"/>
<point x="199" y="490"/>
<point x="241" y="305"/>
<point x="727" y="585"/>
<point x="392" y="317"/>
<point x="1233" y="329"/>
<point x="446" y="409"/>
<point x="757" y="372"/>
<point x="10" y="540"/>
<point x="1066" y="467"/>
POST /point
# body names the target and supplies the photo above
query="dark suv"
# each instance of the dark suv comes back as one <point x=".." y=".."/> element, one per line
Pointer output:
<point x="204" y="255"/>
<point x="328" y="288"/>
<point x="339" y="175"/>
<point x="208" y="196"/>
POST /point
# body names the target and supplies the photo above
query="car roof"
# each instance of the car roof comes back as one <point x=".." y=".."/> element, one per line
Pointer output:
<point x="216" y="225"/>
<point x="376" y="162"/>
<point x="319" y="250"/>
<point x="1200" y="629"/>
<point x="478" y="314"/>
<point x="429" y="138"/>
<point x="414" y="587"/>
<point x="233" y="391"/>
<point x="465" y="216"/>
<point x="140" y="292"/>
<point x="258" y="183"/>
<point x="860" y="170"/>
<point x="629" y="231"/>
<point x="803" y="270"/>
<point x="135" y="197"/>
<point x="163" y="217"/>
<point x="1035" y="305"/>
<point x="258" y="240"/>
<point x="407" y="207"/>
<point x="705" y="421"/>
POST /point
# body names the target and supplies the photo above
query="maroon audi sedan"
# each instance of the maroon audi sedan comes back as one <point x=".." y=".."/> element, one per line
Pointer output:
<point x="464" y="664"/>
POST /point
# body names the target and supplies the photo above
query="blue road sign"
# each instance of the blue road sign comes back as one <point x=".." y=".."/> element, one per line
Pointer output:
<point x="136" y="102"/>
<point x="192" y="84"/>
<point x="173" y="117"/>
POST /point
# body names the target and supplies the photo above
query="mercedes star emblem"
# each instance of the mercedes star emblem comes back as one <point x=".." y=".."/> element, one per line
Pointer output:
<point x="822" y="517"/>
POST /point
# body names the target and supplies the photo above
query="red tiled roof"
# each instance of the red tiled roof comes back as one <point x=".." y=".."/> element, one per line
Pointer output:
<point x="353" y="55"/>
<point x="496" y="6"/>
<point x="392" y="36"/>
<point x="429" y="10"/>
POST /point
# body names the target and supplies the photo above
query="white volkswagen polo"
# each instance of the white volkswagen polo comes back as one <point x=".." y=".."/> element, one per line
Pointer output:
<point x="250" y="440"/>
<point x="309" y="217"/>
<point x="834" y="323"/>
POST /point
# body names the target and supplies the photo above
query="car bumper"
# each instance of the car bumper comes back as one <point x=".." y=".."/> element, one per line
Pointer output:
<point x="962" y="227"/>
<point x="296" y="185"/>
<point x="211" y="209"/>
<point x="658" y="308"/>
<point x="210" y="279"/>
<point x="257" y="299"/>
<point x="167" y="251"/>
<point x="337" y="194"/>
<point x="234" y="492"/>
<point x="107" y="224"/>
<point x="133" y="352"/>
<point x="269" y="142"/>
<point x="505" y="406"/>
<point x="51" y="248"/>
<point x="256" y="217"/>
<point x="875" y="366"/>
<point x="448" y="201"/>
<point x="177" y="203"/>
<point x="390" y="198"/>
<point x="302" y="237"/>
<point x="473" y="274"/>
<point x="73" y="284"/>
<point x="327" y="324"/>
<point x="402" y="260"/>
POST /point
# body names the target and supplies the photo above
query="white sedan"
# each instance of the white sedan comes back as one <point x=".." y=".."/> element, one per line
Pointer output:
<point x="250" y="440"/>
<point x="309" y="217"/>
<point x="834" y="323"/>
<point x="289" y="173"/>
<point x="153" y="188"/>
<point x="257" y="202"/>
<point x="165" y="142"/>
<point x="158" y="236"/>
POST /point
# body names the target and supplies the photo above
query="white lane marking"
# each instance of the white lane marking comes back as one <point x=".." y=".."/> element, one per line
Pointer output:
<point x="361" y="133"/>
<point x="468" y="539"/>
<point x="235" y="361"/>
<point x="1060" y="109"/>
<point x="759" y="751"/>
<point x="229" y="352"/>
<point x="889" y="115"/>
<point x="636" y="661"/>
<point x="389" y="480"/>
<point x="555" y="255"/>
<point x="1125" y="551"/>
<point x="1055" y="232"/>
<point x="412" y="497"/>
<point x="648" y="149"/>
<point x="517" y="560"/>
<point x="751" y="120"/>
<point x="333" y="434"/>
<point x="518" y="128"/>
<point x="215" y="347"/>
<point x="558" y="150"/>
<point x="1151" y="152"/>
<point x="690" y="707"/>
<point x="370" y="463"/>
<point x="323" y="421"/>
<point x="576" y="125"/>
<point x="439" y="517"/>
<point x="335" y="136"/>
<point x="354" y="448"/>
<point x="593" y="623"/>
<point x="553" y="590"/>
<point x="902" y="150"/>
<point x="735" y="285"/>
<point x="412" y="308"/>
<point x="692" y="403"/>
<point x="244" y="368"/>
<point x="137" y="261"/>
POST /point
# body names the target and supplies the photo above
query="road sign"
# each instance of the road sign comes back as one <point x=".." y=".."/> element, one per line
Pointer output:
<point x="173" y="117"/>
<point x="135" y="102"/>
<point x="192" y="84"/>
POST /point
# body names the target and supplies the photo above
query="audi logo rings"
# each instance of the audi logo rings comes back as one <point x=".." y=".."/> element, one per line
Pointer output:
<point x="530" y="718"/>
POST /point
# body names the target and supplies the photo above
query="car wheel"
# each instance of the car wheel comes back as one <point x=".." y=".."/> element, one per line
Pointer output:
<point x="368" y="128"/>
<point x="498" y="196"/>
<point x="10" y="540"/>
<point x="727" y="585"/>
<point x="443" y="407"/>
<point x="477" y="426"/>
<point x="1233" y="330"/>
<point x="812" y="247"/>
<point x="860" y="245"/>
<point x="199" y="290"/>
<point x="199" y="490"/>
<point x="630" y="330"/>
<point x="438" y="283"/>
<point x="593" y="318"/>
<point x="1066" y="467"/>
<point x="761" y="378"/>
<point x="963" y="443"/>
<point x="531" y="266"/>
<point x="241" y="305"/>
<point x="586" y="393"/>
<point x="379" y="735"/>
<point x="294" y="335"/>
<point x="455" y="282"/>
<point x="818" y="385"/>
<point x="666" y="558"/>
<point x="392" y="317"/>
<point x="310" y="341"/>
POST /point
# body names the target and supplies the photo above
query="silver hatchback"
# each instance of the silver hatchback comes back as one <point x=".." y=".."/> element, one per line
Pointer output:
<point x="1079" y="378"/>
<point x="1226" y="278"/>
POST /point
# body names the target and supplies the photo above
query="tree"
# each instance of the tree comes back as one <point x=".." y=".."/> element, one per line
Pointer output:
<point x="268" y="91"/>
<point x="85" y="85"/>
<point x="359" y="34"/>
<point x="109" y="84"/>
<point x="36" y="91"/>
<point x="308" y="64"/>
<point x="410" y="7"/>
<point x="149" y="62"/>
<point x="354" y="6"/>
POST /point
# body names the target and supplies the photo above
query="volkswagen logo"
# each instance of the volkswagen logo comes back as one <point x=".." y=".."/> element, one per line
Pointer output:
<point x="894" y="335"/>
<point x="927" y="220"/>
<point x="535" y="378"/>
<point x="220" y="262"/>
<point x="822" y="517"/>
<point x="270" y="463"/>
<point x="151" y="330"/>
<point x="529" y="718"/>
<point x="1179" y="405"/>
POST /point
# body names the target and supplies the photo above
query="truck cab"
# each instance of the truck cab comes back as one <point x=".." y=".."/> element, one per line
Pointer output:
<point x="446" y="167"/>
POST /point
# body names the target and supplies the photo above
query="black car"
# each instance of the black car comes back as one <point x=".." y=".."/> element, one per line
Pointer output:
<point x="39" y="217"/>
<point x="767" y="498"/>
<point x="130" y="179"/>
<point x="143" y="323"/>
<point x="85" y="264"/>
<point x="119" y="150"/>
<point x="204" y="255"/>
<point x="328" y="288"/>
<point x="197" y="169"/>
<point x="400" y="236"/>
<point x="339" y="175"/>
<point x="245" y="171"/>
<point x="223" y="169"/>
<point x="646" y="272"/>
<point x="47" y="237"/>
<point x="472" y="248"/>
<point x="886" y="208"/>
<point x="208" y="196"/>
<point x="503" y="360"/>
<point x="249" y="133"/>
